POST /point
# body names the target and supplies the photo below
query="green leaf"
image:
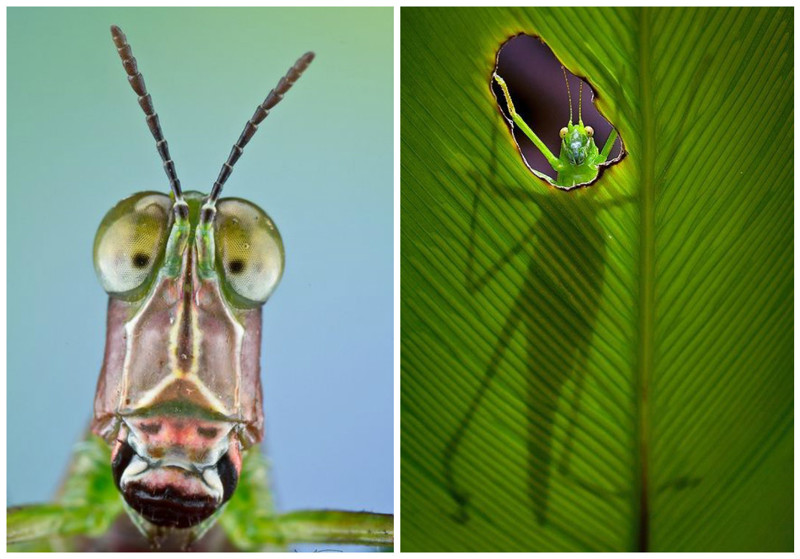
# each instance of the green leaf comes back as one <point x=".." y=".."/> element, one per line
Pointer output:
<point x="608" y="368"/>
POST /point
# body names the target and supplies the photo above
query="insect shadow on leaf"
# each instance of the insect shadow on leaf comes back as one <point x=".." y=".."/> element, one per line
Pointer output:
<point x="565" y="247"/>
<point x="555" y="317"/>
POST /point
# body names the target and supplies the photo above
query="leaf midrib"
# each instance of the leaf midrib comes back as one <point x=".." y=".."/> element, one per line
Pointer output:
<point x="646" y="329"/>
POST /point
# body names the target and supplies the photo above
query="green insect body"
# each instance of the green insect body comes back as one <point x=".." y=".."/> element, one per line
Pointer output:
<point x="579" y="159"/>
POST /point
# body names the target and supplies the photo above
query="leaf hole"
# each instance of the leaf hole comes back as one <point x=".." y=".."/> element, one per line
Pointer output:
<point x="536" y="85"/>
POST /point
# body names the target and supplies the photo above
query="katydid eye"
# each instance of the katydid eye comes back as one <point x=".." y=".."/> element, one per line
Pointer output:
<point x="563" y="132"/>
<point x="589" y="131"/>
<point x="249" y="251"/>
<point x="236" y="266"/>
<point x="129" y="241"/>
<point x="140" y="260"/>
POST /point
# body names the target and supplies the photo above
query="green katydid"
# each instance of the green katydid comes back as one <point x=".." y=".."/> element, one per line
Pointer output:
<point x="178" y="411"/>
<point x="579" y="159"/>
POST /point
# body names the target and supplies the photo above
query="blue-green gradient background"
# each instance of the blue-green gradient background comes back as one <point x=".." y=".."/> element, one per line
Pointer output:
<point x="320" y="165"/>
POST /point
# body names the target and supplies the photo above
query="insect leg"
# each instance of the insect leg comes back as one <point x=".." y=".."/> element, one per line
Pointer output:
<point x="565" y="458"/>
<point x="88" y="501"/>
<point x="552" y="159"/>
<point x="477" y="279"/>
<point x="453" y="445"/>
<point x="612" y="138"/>
<point x="566" y="453"/>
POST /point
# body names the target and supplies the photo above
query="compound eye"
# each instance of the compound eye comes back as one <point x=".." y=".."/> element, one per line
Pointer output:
<point x="589" y="131"/>
<point x="563" y="132"/>
<point x="249" y="251"/>
<point x="129" y="242"/>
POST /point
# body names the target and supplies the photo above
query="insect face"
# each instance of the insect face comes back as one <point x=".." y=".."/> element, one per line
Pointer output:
<point x="576" y="143"/>
<point x="185" y="401"/>
<point x="179" y="395"/>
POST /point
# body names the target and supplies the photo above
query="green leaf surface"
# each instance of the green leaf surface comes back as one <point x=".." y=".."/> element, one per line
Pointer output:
<point x="608" y="368"/>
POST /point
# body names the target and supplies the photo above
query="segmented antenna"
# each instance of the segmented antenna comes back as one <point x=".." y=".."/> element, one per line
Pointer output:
<point x="580" y="94"/>
<point x="146" y="102"/>
<point x="569" y="96"/>
<point x="272" y="99"/>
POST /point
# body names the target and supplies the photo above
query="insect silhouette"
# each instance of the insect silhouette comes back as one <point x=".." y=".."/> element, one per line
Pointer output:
<point x="556" y="322"/>
<point x="556" y="319"/>
<point x="179" y="397"/>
